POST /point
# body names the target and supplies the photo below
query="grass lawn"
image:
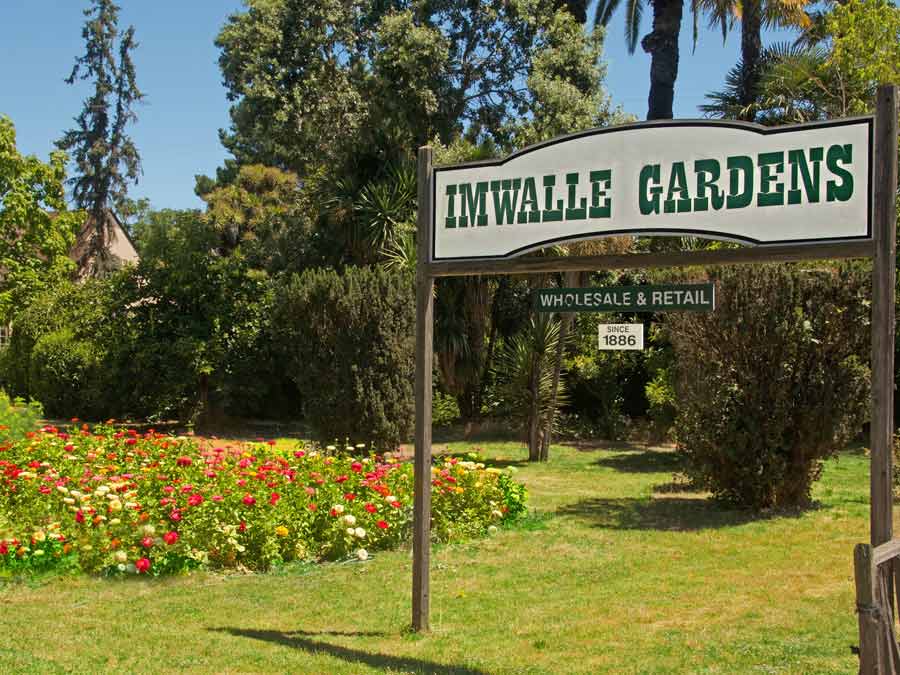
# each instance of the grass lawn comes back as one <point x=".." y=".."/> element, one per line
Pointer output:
<point x="608" y="576"/>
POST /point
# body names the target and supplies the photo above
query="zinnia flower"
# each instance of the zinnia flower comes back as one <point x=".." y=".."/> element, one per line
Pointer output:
<point x="281" y="531"/>
<point x="273" y="500"/>
<point x="360" y="533"/>
<point x="170" y="538"/>
<point x="382" y="524"/>
<point x="362" y="554"/>
<point x="349" y="519"/>
<point x="249" y="499"/>
<point x="184" y="461"/>
<point x="142" y="565"/>
<point x="147" y="542"/>
<point x="370" y="507"/>
<point x="195" y="499"/>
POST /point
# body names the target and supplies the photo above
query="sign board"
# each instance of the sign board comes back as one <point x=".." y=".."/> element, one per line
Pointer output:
<point x="620" y="336"/>
<point x="716" y="179"/>
<point x="681" y="297"/>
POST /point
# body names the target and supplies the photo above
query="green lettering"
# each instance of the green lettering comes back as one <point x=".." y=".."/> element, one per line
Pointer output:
<point x="648" y="197"/>
<point x="800" y="169"/>
<point x="740" y="164"/>
<point x="844" y="190"/>
<point x="601" y="181"/>
<point x="551" y="215"/>
<point x="450" y="221"/>
<point x="708" y="172"/>
<point x="770" y="165"/>
<point x="529" y="197"/>
<point x="677" y="184"/>
<point x="573" y="213"/>
<point x="506" y="195"/>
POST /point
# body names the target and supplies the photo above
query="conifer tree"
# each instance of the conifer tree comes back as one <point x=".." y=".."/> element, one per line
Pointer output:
<point x="105" y="157"/>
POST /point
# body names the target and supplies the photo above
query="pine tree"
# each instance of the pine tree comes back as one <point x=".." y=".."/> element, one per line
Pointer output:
<point x="106" y="159"/>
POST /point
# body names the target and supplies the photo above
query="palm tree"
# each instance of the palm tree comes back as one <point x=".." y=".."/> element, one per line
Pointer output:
<point x="753" y="15"/>
<point x="661" y="43"/>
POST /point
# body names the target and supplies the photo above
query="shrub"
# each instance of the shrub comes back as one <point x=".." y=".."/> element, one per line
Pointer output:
<point x="18" y="417"/>
<point x="106" y="501"/>
<point x="347" y="340"/>
<point x="66" y="375"/>
<point x="772" y="382"/>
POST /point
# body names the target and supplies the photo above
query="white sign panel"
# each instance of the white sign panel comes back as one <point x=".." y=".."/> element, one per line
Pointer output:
<point x="722" y="180"/>
<point x="621" y="336"/>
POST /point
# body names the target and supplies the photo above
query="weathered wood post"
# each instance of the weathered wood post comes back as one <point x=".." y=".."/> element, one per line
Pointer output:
<point x="883" y="296"/>
<point x="424" y="358"/>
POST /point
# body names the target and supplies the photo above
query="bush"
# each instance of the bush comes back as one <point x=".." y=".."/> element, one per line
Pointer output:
<point x="17" y="417"/>
<point x="347" y="340"/>
<point x="772" y="382"/>
<point x="111" y="501"/>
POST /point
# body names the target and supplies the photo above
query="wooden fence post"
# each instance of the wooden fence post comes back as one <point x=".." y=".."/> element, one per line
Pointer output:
<point x="424" y="358"/>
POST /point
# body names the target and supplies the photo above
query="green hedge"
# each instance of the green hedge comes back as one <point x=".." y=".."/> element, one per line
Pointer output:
<point x="347" y="340"/>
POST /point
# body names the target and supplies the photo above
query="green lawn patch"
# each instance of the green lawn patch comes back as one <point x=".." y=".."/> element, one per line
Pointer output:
<point x="615" y="571"/>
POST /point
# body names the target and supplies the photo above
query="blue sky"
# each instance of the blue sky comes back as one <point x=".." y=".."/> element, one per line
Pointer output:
<point x="177" y="131"/>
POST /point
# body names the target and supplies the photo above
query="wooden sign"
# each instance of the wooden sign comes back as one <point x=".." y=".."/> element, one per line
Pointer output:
<point x="715" y="179"/>
<point x="680" y="297"/>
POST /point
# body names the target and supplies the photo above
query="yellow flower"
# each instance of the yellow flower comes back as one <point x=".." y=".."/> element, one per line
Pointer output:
<point x="459" y="490"/>
<point x="281" y="531"/>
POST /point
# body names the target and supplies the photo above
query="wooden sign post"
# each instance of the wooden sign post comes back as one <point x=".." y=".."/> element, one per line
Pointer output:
<point x="806" y="192"/>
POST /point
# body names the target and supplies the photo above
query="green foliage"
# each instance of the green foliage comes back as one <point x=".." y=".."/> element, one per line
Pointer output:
<point x="444" y="409"/>
<point x="347" y="342"/>
<point x="34" y="244"/>
<point x="17" y="417"/>
<point x="66" y="374"/>
<point x="773" y="382"/>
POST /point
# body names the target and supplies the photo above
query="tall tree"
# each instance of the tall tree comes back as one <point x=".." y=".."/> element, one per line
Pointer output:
<point x="753" y="15"/>
<point x="34" y="244"/>
<point x="661" y="43"/>
<point x="105" y="157"/>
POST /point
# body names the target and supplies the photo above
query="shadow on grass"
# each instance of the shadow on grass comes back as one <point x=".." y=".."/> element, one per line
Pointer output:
<point x="300" y="640"/>
<point x="673" y="514"/>
<point x="648" y="461"/>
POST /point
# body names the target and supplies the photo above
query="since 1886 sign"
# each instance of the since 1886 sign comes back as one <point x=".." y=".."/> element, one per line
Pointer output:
<point x="724" y="180"/>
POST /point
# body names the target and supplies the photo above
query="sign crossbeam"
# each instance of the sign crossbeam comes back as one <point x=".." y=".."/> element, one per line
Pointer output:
<point x="806" y="192"/>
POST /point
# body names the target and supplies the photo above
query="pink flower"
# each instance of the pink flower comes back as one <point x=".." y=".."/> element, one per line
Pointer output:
<point x="142" y="565"/>
<point x="249" y="499"/>
<point x="170" y="538"/>
<point x="273" y="500"/>
<point x="310" y="491"/>
<point x="356" y="466"/>
<point x="195" y="499"/>
<point x="79" y="516"/>
<point x="299" y="454"/>
<point x="312" y="506"/>
<point x="241" y="482"/>
<point x="175" y="515"/>
<point x="217" y="498"/>
<point x="184" y="461"/>
<point x="147" y="542"/>
<point x="168" y="489"/>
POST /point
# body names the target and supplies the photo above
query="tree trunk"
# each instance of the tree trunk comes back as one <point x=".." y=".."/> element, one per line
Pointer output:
<point x="751" y="49"/>
<point x="534" y="415"/>
<point x="662" y="45"/>
<point x="570" y="280"/>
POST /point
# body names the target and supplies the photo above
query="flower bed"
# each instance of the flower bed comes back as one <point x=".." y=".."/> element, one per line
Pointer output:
<point x="106" y="500"/>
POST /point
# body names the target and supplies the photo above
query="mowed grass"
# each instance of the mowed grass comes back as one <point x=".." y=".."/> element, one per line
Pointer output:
<point x="611" y="574"/>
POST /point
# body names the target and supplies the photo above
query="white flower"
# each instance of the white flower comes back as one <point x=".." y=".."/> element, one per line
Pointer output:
<point x="360" y="533"/>
<point x="351" y="531"/>
<point x="149" y="530"/>
<point x="120" y="567"/>
<point x="115" y="521"/>
<point x="68" y="500"/>
<point x="338" y="508"/>
<point x="330" y="448"/>
<point x="362" y="554"/>
<point x="102" y="490"/>
<point x="497" y="514"/>
<point x="492" y="529"/>
<point x="63" y="489"/>
<point x="390" y="499"/>
<point x="115" y="505"/>
<point x="349" y="519"/>
<point x="121" y="557"/>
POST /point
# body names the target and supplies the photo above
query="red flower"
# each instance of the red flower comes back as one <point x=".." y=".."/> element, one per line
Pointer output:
<point x="340" y="479"/>
<point x="349" y="496"/>
<point x="147" y="542"/>
<point x="356" y="466"/>
<point x="195" y="499"/>
<point x="273" y="500"/>
<point x="69" y="447"/>
<point x="175" y="515"/>
<point x="312" y="507"/>
<point x="371" y="508"/>
<point x="170" y="538"/>
<point x="143" y="565"/>
<point x="242" y="527"/>
<point x="4" y="549"/>
<point x="271" y="442"/>
<point x="44" y="490"/>
<point x="299" y="454"/>
<point x="79" y="517"/>
<point x="249" y="499"/>
<point x="130" y="441"/>
<point x="396" y="504"/>
<point x="382" y="524"/>
<point x="184" y="461"/>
